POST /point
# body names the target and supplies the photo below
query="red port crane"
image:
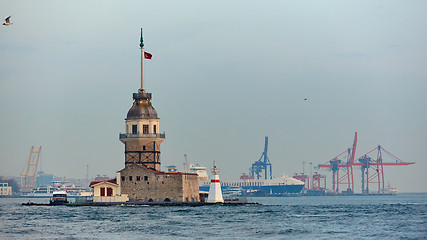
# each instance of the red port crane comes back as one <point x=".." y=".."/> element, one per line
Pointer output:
<point x="373" y="168"/>
<point x="319" y="181"/>
<point x="371" y="165"/>
<point x="342" y="172"/>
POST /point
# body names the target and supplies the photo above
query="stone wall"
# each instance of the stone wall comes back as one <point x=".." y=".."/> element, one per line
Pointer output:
<point x="122" y="198"/>
<point x="143" y="184"/>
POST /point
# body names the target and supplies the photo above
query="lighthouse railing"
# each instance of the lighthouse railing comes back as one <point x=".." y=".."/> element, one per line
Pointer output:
<point x="140" y="135"/>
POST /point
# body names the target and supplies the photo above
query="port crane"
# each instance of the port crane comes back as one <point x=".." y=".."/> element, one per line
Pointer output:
<point x="372" y="168"/>
<point x="319" y="181"/>
<point x="371" y="165"/>
<point x="28" y="179"/>
<point x="263" y="164"/>
<point x="342" y="168"/>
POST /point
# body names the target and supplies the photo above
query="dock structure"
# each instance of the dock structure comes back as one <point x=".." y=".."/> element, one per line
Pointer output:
<point x="165" y="204"/>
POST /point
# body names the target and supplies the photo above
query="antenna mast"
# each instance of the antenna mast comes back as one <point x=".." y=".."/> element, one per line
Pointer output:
<point x="141" y="45"/>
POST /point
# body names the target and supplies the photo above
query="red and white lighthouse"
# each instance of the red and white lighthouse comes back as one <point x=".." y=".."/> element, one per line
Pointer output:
<point x="215" y="193"/>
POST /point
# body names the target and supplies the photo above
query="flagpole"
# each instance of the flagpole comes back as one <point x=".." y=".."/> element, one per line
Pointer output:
<point x="141" y="45"/>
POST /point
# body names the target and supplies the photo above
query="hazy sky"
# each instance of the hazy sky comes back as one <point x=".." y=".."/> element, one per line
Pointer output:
<point x="224" y="75"/>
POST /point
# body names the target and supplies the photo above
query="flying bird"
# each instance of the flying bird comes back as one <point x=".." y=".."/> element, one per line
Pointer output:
<point x="305" y="99"/>
<point x="7" y="21"/>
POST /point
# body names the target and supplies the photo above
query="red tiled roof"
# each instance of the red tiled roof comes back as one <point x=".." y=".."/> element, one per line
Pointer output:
<point x="110" y="181"/>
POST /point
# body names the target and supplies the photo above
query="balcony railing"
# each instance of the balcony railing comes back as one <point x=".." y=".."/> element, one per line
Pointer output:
<point x="141" y="95"/>
<point x="140" y="135"/>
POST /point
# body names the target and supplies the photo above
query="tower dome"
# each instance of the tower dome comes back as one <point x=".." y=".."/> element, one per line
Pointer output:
<point x="141" y="109"/>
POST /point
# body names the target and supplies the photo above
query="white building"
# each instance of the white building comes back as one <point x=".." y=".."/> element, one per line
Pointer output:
<point x="5" y="190"/>
<point x="108" y="191"/>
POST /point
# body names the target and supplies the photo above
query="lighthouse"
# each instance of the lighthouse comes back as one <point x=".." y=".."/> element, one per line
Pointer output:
<point x="215" y="193"/>
<point x="141" y="179"/>
<point x="142" y="138"/>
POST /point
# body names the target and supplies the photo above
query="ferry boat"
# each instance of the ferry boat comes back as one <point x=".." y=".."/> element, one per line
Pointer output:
<point x="47" y="191"/>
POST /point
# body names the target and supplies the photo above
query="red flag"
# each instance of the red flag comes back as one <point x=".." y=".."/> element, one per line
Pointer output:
<point x="147" y="55"/>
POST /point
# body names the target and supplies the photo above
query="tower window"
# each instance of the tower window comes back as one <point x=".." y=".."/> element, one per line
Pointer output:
<point x="138" y="178"/>
<point x="145" y="129"/>
<point x="123" y="178"/>
<point x="130" y="178"/>
<point x="134" y="129"/>
<point x="155" y="128"/>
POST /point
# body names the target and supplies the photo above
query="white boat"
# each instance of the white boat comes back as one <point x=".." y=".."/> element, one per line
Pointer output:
<point x="390" y="190"/>
<point x="233" y="192"/>
<point x="200" y="170"/>
<point x="47" y="191"/>
<point x="59" y="198"/>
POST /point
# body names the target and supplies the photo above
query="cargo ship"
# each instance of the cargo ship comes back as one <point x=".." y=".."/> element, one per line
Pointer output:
<point x="279" y="186"/>
<point x="269" y="186"/>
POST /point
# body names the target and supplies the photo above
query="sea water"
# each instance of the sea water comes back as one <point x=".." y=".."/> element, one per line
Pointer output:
<point x="329" y="217"/>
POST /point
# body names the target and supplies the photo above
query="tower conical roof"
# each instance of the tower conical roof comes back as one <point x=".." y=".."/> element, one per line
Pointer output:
<point x="142" y="109"/>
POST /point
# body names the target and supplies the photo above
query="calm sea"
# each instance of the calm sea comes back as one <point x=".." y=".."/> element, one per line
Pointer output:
<point x="345" y="217"/>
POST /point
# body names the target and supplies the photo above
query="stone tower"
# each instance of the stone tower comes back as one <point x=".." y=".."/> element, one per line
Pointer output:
<point x="142" y="138"/>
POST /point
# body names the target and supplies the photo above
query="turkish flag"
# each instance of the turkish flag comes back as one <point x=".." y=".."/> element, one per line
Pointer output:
<point x="147" y="55"/>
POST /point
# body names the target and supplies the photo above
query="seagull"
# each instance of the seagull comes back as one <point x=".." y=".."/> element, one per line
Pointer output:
<point x="7" y="21"/>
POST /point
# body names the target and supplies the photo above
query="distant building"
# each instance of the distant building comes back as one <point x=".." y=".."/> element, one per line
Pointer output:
<point x="5" y="189"/>
<point x="43" y="179"/>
